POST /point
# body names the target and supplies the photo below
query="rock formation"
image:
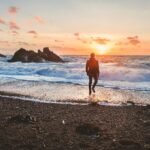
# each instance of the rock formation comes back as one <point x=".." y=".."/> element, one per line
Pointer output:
<point x="24" y="55"/>
<point x="1" y="55"/>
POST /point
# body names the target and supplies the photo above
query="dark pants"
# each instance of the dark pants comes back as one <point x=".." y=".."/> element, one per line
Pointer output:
<point x="92" y="87"/>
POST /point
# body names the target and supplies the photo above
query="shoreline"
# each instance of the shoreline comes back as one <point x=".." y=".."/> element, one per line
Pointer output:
<point x="47" y="92"/>
<point x="89" y="101"/>
<point x="71" y="127"/>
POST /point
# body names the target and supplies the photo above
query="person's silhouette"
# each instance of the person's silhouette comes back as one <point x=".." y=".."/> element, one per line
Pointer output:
<point x="92" y="70"/>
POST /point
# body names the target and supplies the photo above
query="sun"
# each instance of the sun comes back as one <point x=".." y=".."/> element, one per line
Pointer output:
<point x="101" y="48"/>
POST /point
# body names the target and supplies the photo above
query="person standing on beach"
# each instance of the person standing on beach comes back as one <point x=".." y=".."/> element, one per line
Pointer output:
<point x="92" y="70"/>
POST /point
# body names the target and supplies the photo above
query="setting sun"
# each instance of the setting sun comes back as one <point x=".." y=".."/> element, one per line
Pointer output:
<point x="101" y="48"/>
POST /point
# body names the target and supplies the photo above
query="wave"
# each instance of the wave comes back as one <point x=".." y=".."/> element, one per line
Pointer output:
<point x="115" y="71"/>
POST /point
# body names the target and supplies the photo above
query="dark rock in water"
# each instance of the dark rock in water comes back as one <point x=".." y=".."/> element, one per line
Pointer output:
<point x="49" y="55"/>
<point x="1" y="55"/>
<point x="88" y="129"/>
<point x="24" y="55"/>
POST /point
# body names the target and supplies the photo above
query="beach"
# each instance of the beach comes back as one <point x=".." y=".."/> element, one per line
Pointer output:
<point x="26" y="125"/>
<point x="75" y="75"/>
<point x="46" y="106"/>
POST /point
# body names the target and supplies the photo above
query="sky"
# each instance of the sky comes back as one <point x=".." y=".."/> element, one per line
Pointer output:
<point x="76" y="27"/>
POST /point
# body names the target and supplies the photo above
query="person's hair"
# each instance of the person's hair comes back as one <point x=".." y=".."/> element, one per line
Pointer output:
<point x="92" y="55"/>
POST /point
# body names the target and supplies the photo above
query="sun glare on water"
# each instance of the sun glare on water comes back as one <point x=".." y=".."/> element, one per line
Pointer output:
<point x="101" y="48"/>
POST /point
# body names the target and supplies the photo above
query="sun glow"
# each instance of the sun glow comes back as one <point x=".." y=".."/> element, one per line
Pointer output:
<point x="101" y="48"/>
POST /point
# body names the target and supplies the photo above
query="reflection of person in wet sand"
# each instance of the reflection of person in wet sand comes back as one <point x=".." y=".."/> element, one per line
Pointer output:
<point x="92" y="70"/>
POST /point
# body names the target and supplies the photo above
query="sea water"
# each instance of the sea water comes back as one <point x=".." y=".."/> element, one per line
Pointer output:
<point x="122" y="79"/>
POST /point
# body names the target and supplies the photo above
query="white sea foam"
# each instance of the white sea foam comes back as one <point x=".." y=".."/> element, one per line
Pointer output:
<point x="50" y="92"/>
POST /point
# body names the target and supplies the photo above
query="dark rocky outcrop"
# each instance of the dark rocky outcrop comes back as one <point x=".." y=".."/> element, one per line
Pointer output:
<point x="24" y="55"/>
<point x="2" y="55"/>
<point x="49" y="55"/>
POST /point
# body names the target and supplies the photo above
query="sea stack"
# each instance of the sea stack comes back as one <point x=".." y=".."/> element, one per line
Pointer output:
<point x="1" y="55"/>
<point x="24" y="55"/>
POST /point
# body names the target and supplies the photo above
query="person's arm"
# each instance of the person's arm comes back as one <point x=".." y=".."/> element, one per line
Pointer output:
<point x="87" y="67"/>
<point x="98" y="70"/>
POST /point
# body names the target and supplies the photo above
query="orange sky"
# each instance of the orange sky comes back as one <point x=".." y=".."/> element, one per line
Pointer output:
<point x="76" y="27"/>
<point x="78" y="44"/>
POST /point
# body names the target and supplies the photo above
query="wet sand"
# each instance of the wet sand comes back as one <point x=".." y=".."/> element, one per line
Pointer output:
<point x="26" y="125"/>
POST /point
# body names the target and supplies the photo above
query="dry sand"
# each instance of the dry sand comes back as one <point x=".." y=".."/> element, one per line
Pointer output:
<point x="28" y="125"/>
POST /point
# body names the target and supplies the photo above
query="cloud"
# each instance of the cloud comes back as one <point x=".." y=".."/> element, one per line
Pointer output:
<point x="2" y="21"/>
<point x="14" y="33"/>
<point x="133" y="40"/>
<point x="77" y="34"/>
<point x="39" y="19"/>
<point x="13" y="26"/>
<point x="13" y="10"/>
<point x="4" y="42"/>
<point x="58" y="41"/>
<point x="22" y="43"/>
<point x="78" y="37"/>
<point x="89" y="40"/>
<point x="101" y="40"/>
<point x="33" y="32"/>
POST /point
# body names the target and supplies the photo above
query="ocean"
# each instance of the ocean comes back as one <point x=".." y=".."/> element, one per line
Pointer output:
<point x="122" y="79"/>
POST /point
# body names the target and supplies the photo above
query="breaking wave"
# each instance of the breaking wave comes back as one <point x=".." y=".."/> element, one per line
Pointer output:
<point x="122" y="72"/>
